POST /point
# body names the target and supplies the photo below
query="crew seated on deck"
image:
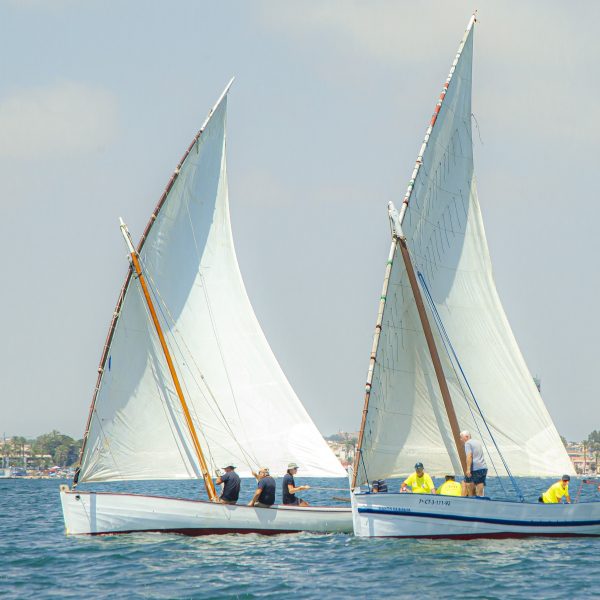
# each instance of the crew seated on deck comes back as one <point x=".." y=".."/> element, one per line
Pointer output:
<point x="379" y="486"/>
<point x="419" y="482"/>
<point x="450" y="487"/>
<point x="555" y="493"/>
<point x="230" y="481"/>
<point x="264" y="496"/>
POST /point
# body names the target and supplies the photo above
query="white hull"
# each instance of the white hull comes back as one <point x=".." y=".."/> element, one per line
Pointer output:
<point x="432" y="516"/>
<point x="103" y="513"/>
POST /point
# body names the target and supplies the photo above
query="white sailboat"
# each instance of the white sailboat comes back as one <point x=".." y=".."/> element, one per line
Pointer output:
<point x="444" y="358"/>
<point x="187" y="382"/>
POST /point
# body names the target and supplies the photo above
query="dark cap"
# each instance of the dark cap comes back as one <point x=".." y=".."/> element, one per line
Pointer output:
<point x="566" y="478"/>
<point x="419" y="466"/>
<point x="229" y="467"/>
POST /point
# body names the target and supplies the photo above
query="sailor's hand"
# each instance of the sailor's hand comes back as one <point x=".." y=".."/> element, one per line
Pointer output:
<point x="468" y="473"/>
<point x="250" y="503"/>
<point x="306" y="487"/>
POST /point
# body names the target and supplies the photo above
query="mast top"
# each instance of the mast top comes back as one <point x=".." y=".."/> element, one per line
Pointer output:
<point x="126" y="235"/>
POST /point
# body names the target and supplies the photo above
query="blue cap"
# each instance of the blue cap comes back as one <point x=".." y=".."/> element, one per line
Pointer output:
<point x="419" y="466"/>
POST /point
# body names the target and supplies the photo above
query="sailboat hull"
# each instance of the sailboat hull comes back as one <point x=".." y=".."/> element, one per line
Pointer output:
<point x="96" y="513"/>
<point x="430" y="516"/>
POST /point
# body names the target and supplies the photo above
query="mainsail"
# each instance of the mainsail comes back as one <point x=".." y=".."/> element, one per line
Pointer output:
<point x="242" y="405"/>
<point x="444" y="230"/>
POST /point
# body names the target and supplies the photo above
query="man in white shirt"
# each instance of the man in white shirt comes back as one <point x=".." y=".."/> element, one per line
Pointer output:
<point x="476" y="465"/>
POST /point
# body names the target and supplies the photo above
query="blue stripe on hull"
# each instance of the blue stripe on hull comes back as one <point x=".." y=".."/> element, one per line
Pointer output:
<point x="402" y="513"/>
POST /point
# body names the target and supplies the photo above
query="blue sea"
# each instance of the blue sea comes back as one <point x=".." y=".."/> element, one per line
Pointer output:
<point x="38" y="561"/>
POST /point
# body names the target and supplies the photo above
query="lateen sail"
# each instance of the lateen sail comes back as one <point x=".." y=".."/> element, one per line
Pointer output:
<point x="241" y="402"/>
<point x="406" y="421"/>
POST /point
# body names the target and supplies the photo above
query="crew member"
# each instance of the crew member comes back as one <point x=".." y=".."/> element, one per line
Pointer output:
<point x="450" y="487"/>
<point x="557" y="491"/>
<point x="419" y="482"/>
<point x="379" y="486"/>
<point x="290" y="489"/>
<point x="264" y="496"/>
<point x="230" y="481"/>
<point x="476" y="466"/>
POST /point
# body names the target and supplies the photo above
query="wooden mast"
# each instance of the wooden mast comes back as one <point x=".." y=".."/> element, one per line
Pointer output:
<point x="435" y="357"/>
<point x="208" y="482"/>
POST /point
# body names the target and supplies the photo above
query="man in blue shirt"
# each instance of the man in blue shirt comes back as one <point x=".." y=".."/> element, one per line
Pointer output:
<point x="290" y="489"/>
<point x="476" y="466"/>
<point x="264" y="496"/>
<point x="379" y="486"/>
<point x="230" y="481"/>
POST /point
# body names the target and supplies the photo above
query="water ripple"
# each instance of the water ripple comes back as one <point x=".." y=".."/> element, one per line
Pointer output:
<point x="38" y="561"/>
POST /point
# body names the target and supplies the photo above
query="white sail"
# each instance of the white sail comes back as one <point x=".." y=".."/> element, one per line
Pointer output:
<point x="243" y="407"/>
<point x="406" y="421"/>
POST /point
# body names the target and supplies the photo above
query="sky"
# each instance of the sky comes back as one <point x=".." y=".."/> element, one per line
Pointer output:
<point x="98" y="101"/>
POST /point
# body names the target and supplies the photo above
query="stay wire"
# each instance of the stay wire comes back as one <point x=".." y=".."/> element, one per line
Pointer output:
<point x="445" y="341"/>
<point x="445" y="335"/>
<point x="168" y="317"/>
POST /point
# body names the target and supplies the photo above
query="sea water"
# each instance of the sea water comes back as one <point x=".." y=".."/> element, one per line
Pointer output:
<point x="38" y="561"/>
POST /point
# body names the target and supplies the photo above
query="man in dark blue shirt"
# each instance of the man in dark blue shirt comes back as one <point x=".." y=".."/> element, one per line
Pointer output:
<point x="230" y="481"/>
<point x="379" y="486"/>
<point x="264" y="496"/>
<point x="290" y="489"/>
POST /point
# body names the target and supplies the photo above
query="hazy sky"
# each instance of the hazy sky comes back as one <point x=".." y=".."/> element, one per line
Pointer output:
<point x="99" y="100"/>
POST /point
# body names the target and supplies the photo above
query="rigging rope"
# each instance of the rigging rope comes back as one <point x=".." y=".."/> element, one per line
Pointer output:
<point x="168" y="317"/>
<point x="444" y="333"/>
<point x="212" y="322"/>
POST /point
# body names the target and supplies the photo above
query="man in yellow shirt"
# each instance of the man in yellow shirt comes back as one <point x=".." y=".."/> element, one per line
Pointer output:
<point x="558" y="490"/>
<point x="419" y="482"/>
<point x="450" y="487"/>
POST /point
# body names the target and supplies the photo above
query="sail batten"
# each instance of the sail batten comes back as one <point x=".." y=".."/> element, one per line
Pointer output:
<point x="441" y="219"/>
<point x="239" y="399"/>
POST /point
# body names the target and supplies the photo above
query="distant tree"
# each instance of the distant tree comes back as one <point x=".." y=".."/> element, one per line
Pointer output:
<point x="18" y="444"/>
<point x="63" y="449"/>
<point x="593" y="444"/>
<point x="563" y="439"/>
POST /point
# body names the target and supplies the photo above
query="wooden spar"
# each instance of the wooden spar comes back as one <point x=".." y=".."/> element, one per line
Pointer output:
<point x="435" y="357"/>
<point x="208" y="482"/>
<point x="377" y="334"/>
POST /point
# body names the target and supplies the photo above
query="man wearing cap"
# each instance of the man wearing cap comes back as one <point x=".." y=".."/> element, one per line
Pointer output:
<point x="290" y="489"/>
<point x="450" y="487"/>
<point x="476" y="472"/>
<point x="230" y="481"/>
<point x="555" y="493"/>
<point x="264" y="496"/>
<point x="419" y="482"/>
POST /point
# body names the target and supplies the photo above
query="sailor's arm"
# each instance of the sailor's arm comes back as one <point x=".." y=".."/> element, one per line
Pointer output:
<point x="293" y="490"/>
<point x="469" y="464"/>
<point x="432" y="486"/>
<point x="255" y="497"/>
